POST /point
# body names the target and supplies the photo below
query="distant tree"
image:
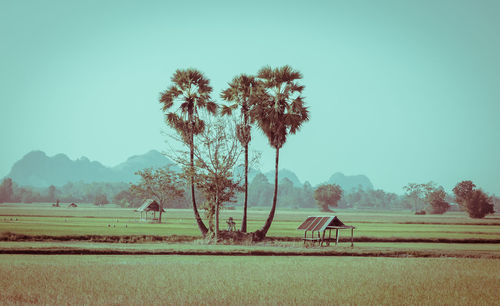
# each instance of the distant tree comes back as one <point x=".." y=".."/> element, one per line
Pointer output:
<point x="126" y="199"/>
<point x="190" y="92"/>
<point x="463" y="191"/>
<point x="26" y="195"/>
<point x="328" y="195"/>
<point x="437" y="201"/>
<point x="101" y="199"/>
<point x="307" y="195"/>
<point x="288" y="195"/>
<point x="496" y="202"/>
<point x="474" y="201"/>
<point x="279" y="112"/>
<point x="162" y="185"/>
<point x="6" y="191"/>
<point x="415" y="192"/>
<point x="243" y="91"/>
<point x="51" y="197"/>
<point x="259" y="191"/>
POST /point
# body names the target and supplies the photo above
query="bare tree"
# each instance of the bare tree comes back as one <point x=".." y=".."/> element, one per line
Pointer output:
<point x="217" y="154"/>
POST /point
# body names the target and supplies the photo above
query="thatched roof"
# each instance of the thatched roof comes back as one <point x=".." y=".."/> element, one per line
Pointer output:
<point x="321" y="223"/>
<point x="150" y="205"/>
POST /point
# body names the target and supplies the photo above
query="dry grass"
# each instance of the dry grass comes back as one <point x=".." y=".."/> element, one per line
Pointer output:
<point x="176" y="280"/>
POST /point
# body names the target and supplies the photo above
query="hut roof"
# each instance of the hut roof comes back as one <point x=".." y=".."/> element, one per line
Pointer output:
<point x="72" y="205"/>
<point x="150" y="205"/>
<point x="321" y="223"/>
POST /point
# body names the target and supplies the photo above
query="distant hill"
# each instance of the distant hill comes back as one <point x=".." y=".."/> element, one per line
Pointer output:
<point x="281" y="175"/>
<point x="350" y="182"/>
<point x="134" y="163"/>
<point x="39" y="170"/>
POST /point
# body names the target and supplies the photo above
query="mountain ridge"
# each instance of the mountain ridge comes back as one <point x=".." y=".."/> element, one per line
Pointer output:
<point x="39" y="170"/>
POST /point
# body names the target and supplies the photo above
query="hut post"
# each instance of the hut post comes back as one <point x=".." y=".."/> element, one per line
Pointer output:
<point x="352" y="237"/>
<point x="336" y="236"/>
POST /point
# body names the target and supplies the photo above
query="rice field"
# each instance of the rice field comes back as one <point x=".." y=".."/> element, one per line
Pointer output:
<point x="226" y="280"/>
<point x="39" y="219"/>
<point x="454" y="274"/>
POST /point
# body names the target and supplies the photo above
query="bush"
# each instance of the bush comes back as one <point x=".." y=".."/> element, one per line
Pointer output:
<point x="437" y="202"/>
<point x="479" y="204"/>
<point x="474" y="201"/>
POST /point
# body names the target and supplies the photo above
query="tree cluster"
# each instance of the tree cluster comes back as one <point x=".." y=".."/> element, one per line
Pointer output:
<point x="427" y="198"/>
<point x="271" y="100"/>
<point x="473" y="200"/>
<point x="260" y="193"/>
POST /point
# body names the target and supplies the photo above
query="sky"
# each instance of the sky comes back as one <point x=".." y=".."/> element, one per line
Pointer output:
<point x="400" y="91"/>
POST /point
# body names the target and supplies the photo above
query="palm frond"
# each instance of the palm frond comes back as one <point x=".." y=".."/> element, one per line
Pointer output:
<point x="227" y="110"/>
<point x="211" y="107"/>
<point x="167" y="97"/>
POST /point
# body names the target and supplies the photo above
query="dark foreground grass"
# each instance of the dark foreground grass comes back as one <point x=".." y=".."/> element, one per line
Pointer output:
<point x="9" y="236"/>
<point x="208" y="280"/>
<point x="268" y="248"/>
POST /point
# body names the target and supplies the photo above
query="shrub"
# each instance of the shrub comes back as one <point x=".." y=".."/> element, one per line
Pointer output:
<point x="474" y="201"/>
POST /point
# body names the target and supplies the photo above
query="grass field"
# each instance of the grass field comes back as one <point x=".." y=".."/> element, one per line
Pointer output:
<point x="39" y="219"/>
<point x="225" y="280"/>
<point x="465" y="273"/>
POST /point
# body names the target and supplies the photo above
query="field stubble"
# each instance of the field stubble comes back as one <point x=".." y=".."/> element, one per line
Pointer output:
<point x="224" y="280"/>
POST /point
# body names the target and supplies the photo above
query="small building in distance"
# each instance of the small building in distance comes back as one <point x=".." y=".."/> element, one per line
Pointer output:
<point x="149" y="209"/>
<point x="72" y="205"/>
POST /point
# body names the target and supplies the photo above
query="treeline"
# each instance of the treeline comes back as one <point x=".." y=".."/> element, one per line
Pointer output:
<point x="261" y="192"/>
<point x="260" y="195"/>
<point x="96" y="192"/>
<point x="99" y="193"/>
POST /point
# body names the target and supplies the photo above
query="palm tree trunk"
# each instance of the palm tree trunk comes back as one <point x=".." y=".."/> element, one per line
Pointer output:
<point x="261" y="234"/>
<point x="245" y="205"/>
<point x="244" y="221"/>
<point x="216" y="219"/>
<point x="161" y="210"/>
<point x="199" y="221"/>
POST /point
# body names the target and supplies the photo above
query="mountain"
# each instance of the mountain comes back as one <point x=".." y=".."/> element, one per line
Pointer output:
<point x="350" y="182"/>
<point x="152" y="159"/>
<point x="39" y="170"/>
<point x="281" y="175"/>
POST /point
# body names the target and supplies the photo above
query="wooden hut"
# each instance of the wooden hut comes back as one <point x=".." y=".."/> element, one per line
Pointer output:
<point x="72" y="205"/>
<point x="149" y="209"/>
<point x="320" y="226"/>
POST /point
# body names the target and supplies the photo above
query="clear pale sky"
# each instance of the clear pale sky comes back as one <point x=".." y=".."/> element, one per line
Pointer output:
<point x="401" y="91"/>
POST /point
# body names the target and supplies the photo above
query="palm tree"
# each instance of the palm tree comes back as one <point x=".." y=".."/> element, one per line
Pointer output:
<point x="243" y="92"/>
<point x="190" y="91"/>
<point x="281" y="114"/>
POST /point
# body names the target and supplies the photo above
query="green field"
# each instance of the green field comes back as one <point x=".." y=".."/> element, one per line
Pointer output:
<point x="39" y="219"/>
<point x="225" y="280"/>
<point x="463" y="267"/>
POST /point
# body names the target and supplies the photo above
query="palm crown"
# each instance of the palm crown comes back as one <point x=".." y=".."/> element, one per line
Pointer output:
<point x="244" y="92"/>
<point x="191" y="91"/>
<point x="282" y="112"/>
